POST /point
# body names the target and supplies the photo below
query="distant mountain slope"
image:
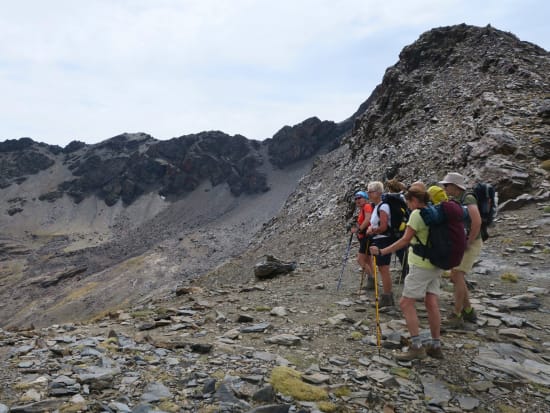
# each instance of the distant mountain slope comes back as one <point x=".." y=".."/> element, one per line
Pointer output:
<point x="71" y="216"/>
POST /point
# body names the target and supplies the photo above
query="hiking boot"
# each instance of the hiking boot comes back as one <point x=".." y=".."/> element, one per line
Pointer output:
<point x="453" y="322"/>
<point x="471" y="316"/>
<point x="370" y="284"/>
<point x="386" y="300"/>
<point x="434" y="352"/>
<point x="412" y="354"/>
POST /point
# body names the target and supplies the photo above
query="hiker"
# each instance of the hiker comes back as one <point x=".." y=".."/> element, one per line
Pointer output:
<point x="363" y="222"/>
<point x="380" y="222"/>
<point x="437" y="194"/>
<point x="395" y="186"/>
<point x="422" y="282"/>
<point x="454" y="185"/>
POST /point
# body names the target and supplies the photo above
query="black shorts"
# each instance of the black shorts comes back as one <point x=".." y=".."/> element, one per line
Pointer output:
<point x="364" y="244"/>
<point x="383" y="243"/>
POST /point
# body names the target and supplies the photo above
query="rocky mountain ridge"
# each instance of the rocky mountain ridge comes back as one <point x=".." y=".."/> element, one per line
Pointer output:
<point x="129" y="165"/>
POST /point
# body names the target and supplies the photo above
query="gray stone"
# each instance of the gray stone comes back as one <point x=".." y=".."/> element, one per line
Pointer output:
<point x="435" y="391"/>
<point x="284" y="340"/>
<point x="155" y="392"/>
<point x="467" y="403"/>
<point x="256" y="328"/>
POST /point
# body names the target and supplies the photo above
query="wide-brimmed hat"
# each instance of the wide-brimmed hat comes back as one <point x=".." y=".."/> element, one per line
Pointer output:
<point x="455" y="179"/>
<point x="437" y="194"/>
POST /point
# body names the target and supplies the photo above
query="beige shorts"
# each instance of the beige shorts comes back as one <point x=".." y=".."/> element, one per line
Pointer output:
<point x="470" y="256"/>
<point x="420" y="281"/>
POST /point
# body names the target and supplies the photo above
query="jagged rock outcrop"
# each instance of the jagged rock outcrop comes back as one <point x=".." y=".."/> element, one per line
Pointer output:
<point x="302" y="141"/>
<point x="21" y="157"/>
<point x="461" y="98"/>
<point x="130" y="165"/>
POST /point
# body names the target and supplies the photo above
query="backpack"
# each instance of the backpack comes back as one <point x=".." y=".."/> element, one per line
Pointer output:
<point x="446" y="241"/>
<point x="487" y="203"/>
<point x="399" y="214"/>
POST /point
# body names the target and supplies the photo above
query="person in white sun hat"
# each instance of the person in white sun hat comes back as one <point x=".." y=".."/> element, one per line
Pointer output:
<point x="455" y="187"/>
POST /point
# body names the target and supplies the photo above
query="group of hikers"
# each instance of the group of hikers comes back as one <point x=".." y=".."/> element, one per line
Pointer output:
<point x="377" y="243"/>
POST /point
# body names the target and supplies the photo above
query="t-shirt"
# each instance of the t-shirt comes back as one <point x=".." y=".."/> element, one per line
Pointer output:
<point x="421" y="229"/>
<point x="469" y="199"/>
<point x="375" y="219"/>
<point x="366" y="209"/>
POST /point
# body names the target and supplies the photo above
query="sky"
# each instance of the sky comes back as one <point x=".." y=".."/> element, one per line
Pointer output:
<point x="89" y="70"/>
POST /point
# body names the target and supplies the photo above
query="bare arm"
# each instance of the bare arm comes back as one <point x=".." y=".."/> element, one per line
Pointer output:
<point x="475" y="219"/>
<point x="397" y="245"/>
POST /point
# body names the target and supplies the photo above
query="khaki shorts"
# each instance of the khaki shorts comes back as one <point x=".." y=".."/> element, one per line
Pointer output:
<point x="470" y="256"/>
<point x="420" y="281"/>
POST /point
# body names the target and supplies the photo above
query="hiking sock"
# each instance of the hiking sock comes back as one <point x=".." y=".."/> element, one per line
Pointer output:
<point x="416" y="341"/>
<point x="436" y="343"/>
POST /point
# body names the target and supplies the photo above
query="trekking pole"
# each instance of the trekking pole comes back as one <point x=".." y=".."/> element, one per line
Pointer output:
<point x="344" y="262"/>
<point x="378" y="329"/>
<point x="364" y="272"/>
<point x="404" y="265"/>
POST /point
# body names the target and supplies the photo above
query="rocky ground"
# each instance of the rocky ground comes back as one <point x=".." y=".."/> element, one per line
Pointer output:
<point x="222" y="343"/>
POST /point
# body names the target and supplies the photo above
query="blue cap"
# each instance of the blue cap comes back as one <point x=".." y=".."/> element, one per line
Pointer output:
<point x="361" y="194"/>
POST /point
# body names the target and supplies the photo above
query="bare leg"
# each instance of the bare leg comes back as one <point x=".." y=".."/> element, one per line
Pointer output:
<point x="434" y="316"/>
<point x="365" y="261"/>
<point x="460" y="291"/>
<point x="409" y="312"/>
<point x="386" y="278"/>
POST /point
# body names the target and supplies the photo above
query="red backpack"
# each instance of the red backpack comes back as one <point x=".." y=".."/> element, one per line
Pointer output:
<point x="446" y="237"/>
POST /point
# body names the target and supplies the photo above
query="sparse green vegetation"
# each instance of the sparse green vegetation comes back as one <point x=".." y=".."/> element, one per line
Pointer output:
<point x="288" y="381"/>
<point x="527" y="244"/>
<point x="77" y="295"/>
<point x="509" y="277"/>
<point x="356" y="336"/>
<point x="263" y="308"/>
<point x="342" y="391"/>
<point x="327" y="407"/>
<point x="504" y="408"/>
<point x="546" y="209"/>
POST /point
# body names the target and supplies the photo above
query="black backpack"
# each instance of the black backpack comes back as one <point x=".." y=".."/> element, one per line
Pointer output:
<point x="399" y="214"/>
<point x="446" y="241"/>
<point x="487" y="203"/>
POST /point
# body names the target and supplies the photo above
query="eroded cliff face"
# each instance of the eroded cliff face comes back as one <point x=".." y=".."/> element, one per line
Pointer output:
<point x="461" y="98"/>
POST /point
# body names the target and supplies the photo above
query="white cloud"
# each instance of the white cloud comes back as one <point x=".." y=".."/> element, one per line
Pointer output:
<point x="91" y="69"/>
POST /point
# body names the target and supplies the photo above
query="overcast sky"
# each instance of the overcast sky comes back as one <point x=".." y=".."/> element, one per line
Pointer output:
<point x="92" y="69"/>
